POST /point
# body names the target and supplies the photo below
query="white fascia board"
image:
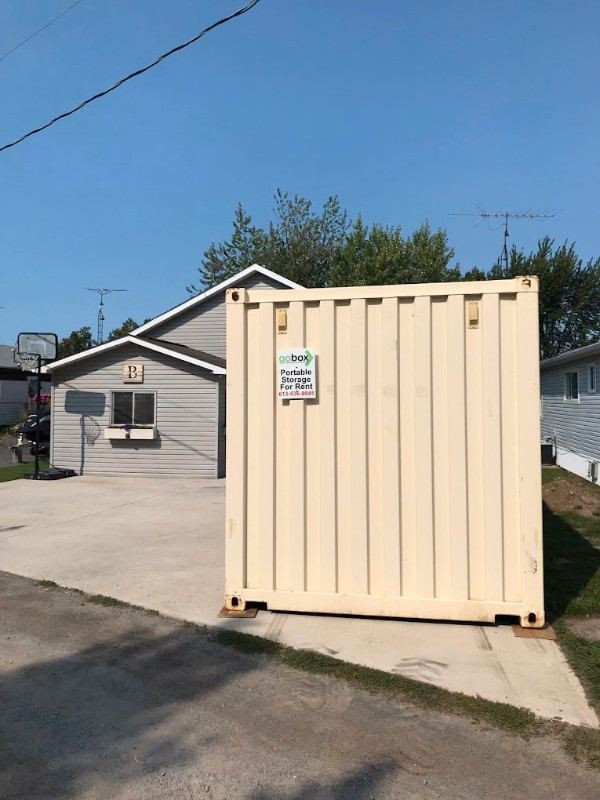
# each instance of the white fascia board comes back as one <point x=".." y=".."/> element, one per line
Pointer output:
<point x="572" y="355"/>
<point x="84" y="354"/>
<point x="129" y="339"/>
<point x="200" y="298"/>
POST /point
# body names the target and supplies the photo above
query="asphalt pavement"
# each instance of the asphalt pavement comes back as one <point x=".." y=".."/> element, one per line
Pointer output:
<point x="114" y="703"/>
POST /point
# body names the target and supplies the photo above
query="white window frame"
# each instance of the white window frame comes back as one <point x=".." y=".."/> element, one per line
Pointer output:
<point x="129" y="391"/>
<point x="592" y="379"/>
<point x="567" y="386"/>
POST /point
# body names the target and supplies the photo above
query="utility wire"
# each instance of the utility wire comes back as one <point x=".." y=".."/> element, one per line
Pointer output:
<point x="237" y="13"/>
<point x="33" y="35"/>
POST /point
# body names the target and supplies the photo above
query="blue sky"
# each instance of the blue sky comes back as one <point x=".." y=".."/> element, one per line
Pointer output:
<point x="406" y="110"/>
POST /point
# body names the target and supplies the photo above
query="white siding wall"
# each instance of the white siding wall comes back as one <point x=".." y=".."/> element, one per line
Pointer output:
<point x="186" y="417"/>
<point x="576" y="424"/>
<point x="203" y="326"/>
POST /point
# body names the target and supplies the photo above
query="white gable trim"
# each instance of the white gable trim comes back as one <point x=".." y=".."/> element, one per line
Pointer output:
<point x="141" y="343"/>
<point x="200" y="298"/>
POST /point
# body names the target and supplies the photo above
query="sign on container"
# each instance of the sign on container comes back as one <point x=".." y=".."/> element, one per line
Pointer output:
<point x="296" y="374"/>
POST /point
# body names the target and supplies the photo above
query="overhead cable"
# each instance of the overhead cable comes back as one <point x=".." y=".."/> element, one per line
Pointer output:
<point x="237" y="13"/>
<point x="43" y="28"/>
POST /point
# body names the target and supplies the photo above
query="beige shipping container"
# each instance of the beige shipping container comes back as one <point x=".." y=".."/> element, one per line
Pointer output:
<point x="407" y="482"/>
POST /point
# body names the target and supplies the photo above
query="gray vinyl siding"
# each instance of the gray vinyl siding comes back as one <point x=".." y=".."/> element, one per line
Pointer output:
<point x="11" y="412"/>
<point x="186" y="417"/>
<point x="576" y="424"/>
<point x="14" y="401"/>
<point x="203" y="326"/>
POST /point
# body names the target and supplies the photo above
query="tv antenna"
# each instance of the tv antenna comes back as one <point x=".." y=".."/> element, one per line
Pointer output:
<point x="102" y="292"/>
<point x="503" y="260"/>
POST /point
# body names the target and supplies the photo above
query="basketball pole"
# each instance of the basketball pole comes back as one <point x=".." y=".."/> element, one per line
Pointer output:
<point x="36" y="472"/>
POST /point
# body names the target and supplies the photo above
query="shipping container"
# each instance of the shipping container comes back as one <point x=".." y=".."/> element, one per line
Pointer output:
<point x="383" y="451"/>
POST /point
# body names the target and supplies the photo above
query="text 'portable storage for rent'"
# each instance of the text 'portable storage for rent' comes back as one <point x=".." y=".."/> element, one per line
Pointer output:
<point x="383" y="451"/>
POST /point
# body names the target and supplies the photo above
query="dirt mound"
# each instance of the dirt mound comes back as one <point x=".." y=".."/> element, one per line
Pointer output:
<point x="567" y="494"/>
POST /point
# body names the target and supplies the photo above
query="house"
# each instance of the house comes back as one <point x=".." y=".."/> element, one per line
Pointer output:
<point x="15" y="386"/>
<point x="570" y="409"/>
<point x="153" y="402"/>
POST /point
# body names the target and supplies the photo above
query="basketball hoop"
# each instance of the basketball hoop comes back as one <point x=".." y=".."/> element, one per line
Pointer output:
<point x="35" y="349"/>
<point x="28" y="363"/>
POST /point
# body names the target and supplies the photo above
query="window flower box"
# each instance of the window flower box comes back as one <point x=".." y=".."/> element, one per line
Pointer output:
<point x="142" y="433"/>
<point x="129" y="432"/>
<point x="116" y="433"/>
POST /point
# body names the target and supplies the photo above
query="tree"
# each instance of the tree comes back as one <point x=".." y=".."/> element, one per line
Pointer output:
<point x="75" y="342"/>
<point x="127" y="326"/>
<point x="221" y="261"/>
<point x="569" y="297"/>
<point x="379" y="256"/>
<point x="299" y="243"/>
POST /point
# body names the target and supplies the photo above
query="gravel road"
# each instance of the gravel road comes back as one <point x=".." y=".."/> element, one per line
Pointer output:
<point x="114" y="703"/>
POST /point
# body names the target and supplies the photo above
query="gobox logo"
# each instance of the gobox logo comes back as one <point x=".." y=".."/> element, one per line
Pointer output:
<point x="305" y="358"/>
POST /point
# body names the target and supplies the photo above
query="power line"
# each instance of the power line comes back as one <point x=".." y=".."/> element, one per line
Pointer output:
<point x="237" y="13"/>
<point x="33" y="35"/>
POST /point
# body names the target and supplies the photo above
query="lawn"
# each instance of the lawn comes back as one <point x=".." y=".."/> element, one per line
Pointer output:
<point x="572" y="582"/>
<point x="18" y="470"/>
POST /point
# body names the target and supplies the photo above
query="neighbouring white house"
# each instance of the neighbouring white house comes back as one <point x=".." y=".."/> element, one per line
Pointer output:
<point x="153" y="402"/>
<point x="15" y="386"/>
<point x="570" y="409"/>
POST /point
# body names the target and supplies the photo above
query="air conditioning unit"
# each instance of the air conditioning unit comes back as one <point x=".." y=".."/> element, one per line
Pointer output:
<point x="548" y="458"/>
<point x="593" y="471"/>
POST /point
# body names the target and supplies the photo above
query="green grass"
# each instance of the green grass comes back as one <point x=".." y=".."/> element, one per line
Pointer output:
<point x="112" y="602"/>
<point x="501" y="715"/>
<point x="572" y="589"/>
<point x="12" y="473"/>
<point x="46" y="584"/>
<point x="583" y="744"/>
<point x="104" y="600"/>
<point x="550" y="474"/>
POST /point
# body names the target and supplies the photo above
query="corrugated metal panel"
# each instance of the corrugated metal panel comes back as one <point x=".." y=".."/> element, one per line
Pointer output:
<point x="186" y="417"/>
<point x="411" y="485"/>
<point x="574" y="423"/>
<point x="203" y="326"/>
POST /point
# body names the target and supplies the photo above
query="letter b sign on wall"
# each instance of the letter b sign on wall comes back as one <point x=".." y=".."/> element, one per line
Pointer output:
<point x="133" y="373"/>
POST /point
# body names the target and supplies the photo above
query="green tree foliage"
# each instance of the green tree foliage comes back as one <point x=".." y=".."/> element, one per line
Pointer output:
<point x="128" y="326"/>
<point x="569" y="294"/>
<point x="322" y="248"/>
<point x="221" y="261"/>
<point x="380" y="255"/>
<point x="299" y="243"/>
<point x="75" y="342"/>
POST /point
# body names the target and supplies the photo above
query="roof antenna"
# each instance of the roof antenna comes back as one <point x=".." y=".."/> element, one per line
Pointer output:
<point x="503" y="260"/>
<point x="102" y="292"/>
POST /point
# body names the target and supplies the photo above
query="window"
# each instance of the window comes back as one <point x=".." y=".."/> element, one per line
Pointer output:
<point x="571" y="386"/>
<point x="592" y="378"/>
<point x="133" y="408"/>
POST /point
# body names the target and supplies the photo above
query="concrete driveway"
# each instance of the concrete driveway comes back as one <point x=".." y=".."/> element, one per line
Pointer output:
<point x="159" y="543"/>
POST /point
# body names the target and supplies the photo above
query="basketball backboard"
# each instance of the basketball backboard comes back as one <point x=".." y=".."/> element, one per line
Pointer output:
<point x="44" y="345"/>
